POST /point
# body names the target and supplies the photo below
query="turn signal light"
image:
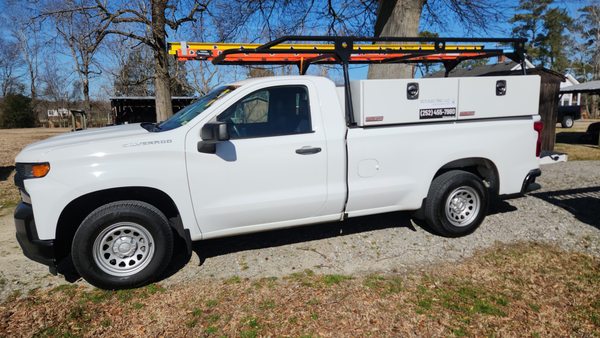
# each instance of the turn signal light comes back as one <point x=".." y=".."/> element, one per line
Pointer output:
<point x="40" y="170"/>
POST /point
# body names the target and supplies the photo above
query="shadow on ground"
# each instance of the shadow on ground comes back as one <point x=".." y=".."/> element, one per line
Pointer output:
<point x="583" y="203"/>
<point x="570" y="137"/>
<point x="5" y="172"/>
<point x="261" y="240"/>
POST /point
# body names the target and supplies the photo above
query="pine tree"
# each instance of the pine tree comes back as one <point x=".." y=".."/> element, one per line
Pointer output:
<point x="553" y="41"/>
<point x="529" y="23"/>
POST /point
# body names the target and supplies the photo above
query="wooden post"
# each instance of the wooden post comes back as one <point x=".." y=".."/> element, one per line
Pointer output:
<point x="549" y="110"/>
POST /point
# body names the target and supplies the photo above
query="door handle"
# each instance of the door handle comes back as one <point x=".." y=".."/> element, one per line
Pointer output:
<point x="308" y="150"/>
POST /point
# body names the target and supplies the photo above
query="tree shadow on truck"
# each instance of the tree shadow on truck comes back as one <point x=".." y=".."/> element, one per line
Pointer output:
<point x="583" y="203"/>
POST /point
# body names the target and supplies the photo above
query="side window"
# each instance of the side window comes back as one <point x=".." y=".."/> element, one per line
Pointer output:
<point x="274" y="111"/>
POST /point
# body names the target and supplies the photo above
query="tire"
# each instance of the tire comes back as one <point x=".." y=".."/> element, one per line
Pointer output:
<point x="456" y="204"/>
<point x="567" y="122"/>
<point x="142" y="252"/>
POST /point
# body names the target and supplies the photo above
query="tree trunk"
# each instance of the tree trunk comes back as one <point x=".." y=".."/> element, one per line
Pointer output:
<point x="396" y="18"/>
<point x="86" y="94"/>
<point x="32" y="75"/>
<point x="162" y="89"/>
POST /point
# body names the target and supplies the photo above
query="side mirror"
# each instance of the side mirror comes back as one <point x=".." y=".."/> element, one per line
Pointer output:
<point x="211" y="134"/>
<point x="214" y="131"/>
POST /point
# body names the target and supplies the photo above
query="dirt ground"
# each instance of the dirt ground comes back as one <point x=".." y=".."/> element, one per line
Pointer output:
<point x="379" y="244"/>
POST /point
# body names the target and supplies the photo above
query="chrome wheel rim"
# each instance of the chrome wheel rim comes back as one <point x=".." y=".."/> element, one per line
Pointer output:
<point x="462" y="206"/>
<point x="123" y="249"/>
<point x="569" y="123"/>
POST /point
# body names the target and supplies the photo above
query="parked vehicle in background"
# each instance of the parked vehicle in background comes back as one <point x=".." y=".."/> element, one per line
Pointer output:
<point x="567" y="115"/>
<point x="592" y="134"/>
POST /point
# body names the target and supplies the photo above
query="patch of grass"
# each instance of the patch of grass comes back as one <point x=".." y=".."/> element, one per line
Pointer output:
<point x="382" y="285"/>
<point x="125" y="295"/>
<point x="460" y="332"/>
<point x="313" y="301"/>
<point x="579" y="152"/>
<point x="154" y="288"/>
<point x="14" y="295"/>
<point x="233" y="280"/>
<point x="334" y="279"/>
<point x="471" y="298"/>
<point x="267" y="304"/>
<point x="305" y="278"/>
<point x="461" y="298"/>
<point x="191" y="323"/>
<point x="484" y="307"/>
<point x="196" y="312"/>
<point x="213" y="318"/>
<point x="211" y="330"/>
<point x="68" y="289"/>
<point x="269" y="282"/>
<point x="248" y="334"/>
<point x="96" y="296"/>
<point x="424" y="305"/>
<point x="211" y="303"/>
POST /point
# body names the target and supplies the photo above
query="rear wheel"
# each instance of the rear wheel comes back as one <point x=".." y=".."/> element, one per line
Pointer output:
<point x="122" y="245"/>
<point x="456" y="203"/>
<point x="567" y="122"/>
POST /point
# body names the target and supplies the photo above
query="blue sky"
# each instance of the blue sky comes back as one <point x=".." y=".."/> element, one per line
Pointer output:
<point x="501" y="29"/>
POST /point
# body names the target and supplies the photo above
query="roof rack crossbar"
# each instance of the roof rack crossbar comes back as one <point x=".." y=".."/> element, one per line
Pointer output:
<point x="347" y="50"/>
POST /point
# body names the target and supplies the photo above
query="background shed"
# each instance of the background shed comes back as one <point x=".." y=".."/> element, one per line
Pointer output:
<point x="132" y="109"/>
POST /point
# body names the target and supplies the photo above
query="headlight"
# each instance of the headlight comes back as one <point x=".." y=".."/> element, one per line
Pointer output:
<point x="29" y="170"/>
<point x="33" y="170"/>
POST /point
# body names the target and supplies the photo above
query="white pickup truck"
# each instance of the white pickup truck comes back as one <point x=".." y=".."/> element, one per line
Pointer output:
<point x="271" y="153"/>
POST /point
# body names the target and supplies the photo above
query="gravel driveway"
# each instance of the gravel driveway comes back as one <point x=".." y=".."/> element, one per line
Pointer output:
<point x="564" y="213"/>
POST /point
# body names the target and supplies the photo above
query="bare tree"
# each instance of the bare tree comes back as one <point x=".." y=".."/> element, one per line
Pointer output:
<point x="132" y="75"/>
<point x="9" y="64"/>
<point x="401" y="18"/>
<point x="55" y="83"/>
<point x="147" y="22"/>
<point x="30" y="45"/>
<point x="82" y="32"/>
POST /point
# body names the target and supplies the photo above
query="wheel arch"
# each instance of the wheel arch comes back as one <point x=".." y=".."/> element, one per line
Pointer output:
<point x="77" y="210"/>
<point x="479" y="166"/>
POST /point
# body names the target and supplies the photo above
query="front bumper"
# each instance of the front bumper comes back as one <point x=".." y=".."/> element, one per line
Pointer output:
<point x="41" y="251"/>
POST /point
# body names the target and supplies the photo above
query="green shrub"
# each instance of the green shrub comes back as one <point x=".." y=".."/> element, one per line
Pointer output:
<point x="16" y="112"/>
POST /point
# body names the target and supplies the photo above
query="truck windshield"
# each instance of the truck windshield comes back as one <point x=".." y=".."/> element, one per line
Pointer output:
<point x="188" y="113"/>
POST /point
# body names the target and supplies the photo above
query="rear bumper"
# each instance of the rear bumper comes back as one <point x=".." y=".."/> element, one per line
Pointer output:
<point x="41" y="251"/>
<point x="529" y="181"/>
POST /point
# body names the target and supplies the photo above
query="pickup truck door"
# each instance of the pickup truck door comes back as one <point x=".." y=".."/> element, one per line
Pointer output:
<point x="271" y="172"/>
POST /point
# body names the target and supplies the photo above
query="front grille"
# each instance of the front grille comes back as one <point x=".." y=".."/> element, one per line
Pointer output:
<point x="19" y="175"/>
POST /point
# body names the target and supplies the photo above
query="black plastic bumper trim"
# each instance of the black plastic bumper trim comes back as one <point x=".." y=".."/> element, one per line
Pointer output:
<point x="529" y="181"/>
<point x="41" y="251"/>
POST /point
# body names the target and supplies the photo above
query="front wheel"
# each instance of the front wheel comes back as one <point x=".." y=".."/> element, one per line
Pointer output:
<point x="456" y="203"/>
<point x="123" y="244"/>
